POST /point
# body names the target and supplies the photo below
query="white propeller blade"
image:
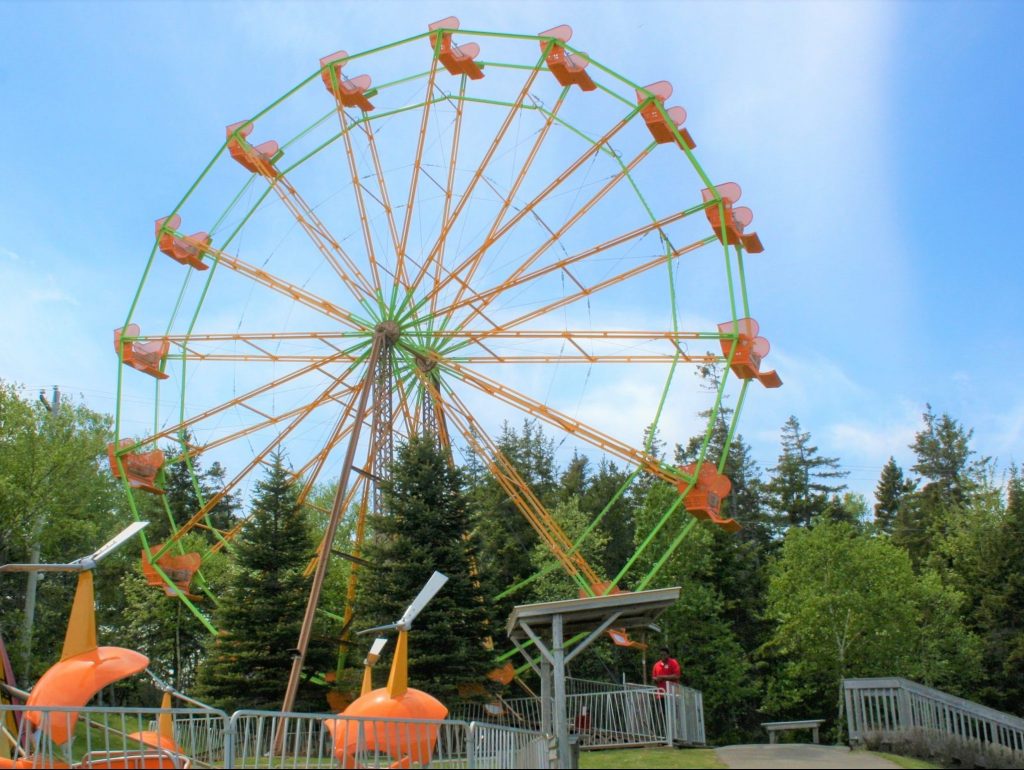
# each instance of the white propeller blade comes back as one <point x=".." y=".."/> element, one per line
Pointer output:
<point x="86" y="562"/>
<point x="436" y="582"/>
<point x="375" y="650"/>
<point x="126" y="534"/>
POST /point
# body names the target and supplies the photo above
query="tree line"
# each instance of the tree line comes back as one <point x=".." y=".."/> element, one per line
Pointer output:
<point x="926" y="581"/>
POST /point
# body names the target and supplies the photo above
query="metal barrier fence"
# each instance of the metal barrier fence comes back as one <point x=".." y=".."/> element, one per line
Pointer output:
<point x="889" y="705"/>
<point x="607" y="715"/>
<point x="98" y="737"/>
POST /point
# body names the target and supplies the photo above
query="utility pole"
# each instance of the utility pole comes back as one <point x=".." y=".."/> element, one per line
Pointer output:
<point x="32" y="586"/>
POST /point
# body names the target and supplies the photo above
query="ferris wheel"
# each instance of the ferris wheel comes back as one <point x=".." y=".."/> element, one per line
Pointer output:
<point x="429" y="237"/>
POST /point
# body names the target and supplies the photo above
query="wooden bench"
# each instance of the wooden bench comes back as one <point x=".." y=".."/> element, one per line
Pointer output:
<point x="774" y="728"/>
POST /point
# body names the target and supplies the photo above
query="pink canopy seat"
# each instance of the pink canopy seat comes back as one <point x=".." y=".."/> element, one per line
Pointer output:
<point x="457" y="59"/>
<point x="568" y="68"/>
<point x="186" y="251"/>
<point x="349" y="92"/>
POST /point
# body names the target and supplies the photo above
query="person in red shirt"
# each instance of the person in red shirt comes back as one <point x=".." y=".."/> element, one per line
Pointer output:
<point x="666" y="670"/>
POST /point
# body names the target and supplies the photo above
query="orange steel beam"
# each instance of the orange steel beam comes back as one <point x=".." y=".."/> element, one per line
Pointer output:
<point x="557" y="234"/>
<point x="447" y="225"/>
<point x="281" y="286"/>
<point x="322" y="238"/>
<point x="381" y="183"/>
<point x="564" y="263"/>
<point x="527" y="209"/>
<point x="357" y="190"/>
<point x="453" y="158"/>
<point x="600" y="285"/>
<point x="337" y="510"/>
<point x="197" y="450"/>
<point x="214" y="499"/>
<point x="548" y="122"/>
<point x="414" y="181"/>
<point x="519" y="493"/>
<point x="563" y="422"/>
<point x="176" y="429"/>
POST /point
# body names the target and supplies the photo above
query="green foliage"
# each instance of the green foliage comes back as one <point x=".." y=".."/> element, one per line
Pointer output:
<point x="426" y="528"/>
<point x="261" y="609"/>
<point x="803" y="483"/>
<point x="56" y="504"/>
<point x="892" y="488"/>
<point x="847" y="604"/>
<point x="505" y="538"/>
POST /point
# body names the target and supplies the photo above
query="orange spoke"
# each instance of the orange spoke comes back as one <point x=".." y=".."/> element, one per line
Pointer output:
<point x="563" y="264"/>
<point x="215" y="499"/>
<point x="321" y="237"/>
<point x="357" y="190"/>
<point x="183" y="426"/>
<point x="491" y="234"/>
<point x="414" y="182"/>
<point x="599" y="286"/>
<point x="561" y="421"/>
<point x="381" y="184"/>
<point x="517" y="489"/>
<point x="581" y="212"/>
<point x="527" y="209"/>
<point x="281" y="286"/>
<point x="447" y="225"/>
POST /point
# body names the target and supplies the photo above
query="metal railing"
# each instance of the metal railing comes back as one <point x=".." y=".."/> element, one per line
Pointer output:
<point x="103" y="737"/>
<point x="892" y="705"/>
<point x="100" y="737"/>
<point x="607" y="715"/>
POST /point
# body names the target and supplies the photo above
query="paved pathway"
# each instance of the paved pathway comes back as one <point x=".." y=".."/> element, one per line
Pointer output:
<point x="798" y="755"/>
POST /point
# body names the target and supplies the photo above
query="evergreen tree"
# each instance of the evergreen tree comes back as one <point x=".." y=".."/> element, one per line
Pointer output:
<point x="618" y="525"/>
<point x="892" y="488"/>
<point x="261" y="610"/>
<point x="945" y="458"/>
<point x="803" y="482"/>
<point x="187" y="494"/>
<point x="505" y="536"/>
<point x="1002" y="611"/>
<point x="427" y="527"/>
<point x="951" y="475"/>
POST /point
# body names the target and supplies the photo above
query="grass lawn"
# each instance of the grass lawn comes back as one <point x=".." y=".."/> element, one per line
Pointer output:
<point x="675" y="758"/>
<point x="662" y="757"/>
<point x="911" y="762"/>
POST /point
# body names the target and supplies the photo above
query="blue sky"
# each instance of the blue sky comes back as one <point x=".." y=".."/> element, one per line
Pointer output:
<point x="878" y="144"/>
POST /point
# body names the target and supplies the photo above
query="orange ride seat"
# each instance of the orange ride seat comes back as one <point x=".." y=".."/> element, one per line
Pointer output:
<point x="178" y="567"/>
<point x="736" y="219"/>
<point x="144" y="356"/>
<point x="187" y="252"/>
<point x="259" y="159"/>
<point x="569" y="69"/>
<point x="654" y="119"/>
<point x="141" y="468"/>
<point x="750" y="351"/>
<point x="350" y="92"/>
<point x="620" y="637"/>
<point x="457" y="59"/>
<point x="704" y="500"/>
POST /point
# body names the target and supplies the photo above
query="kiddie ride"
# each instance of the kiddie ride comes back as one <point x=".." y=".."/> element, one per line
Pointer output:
<point x="398" y="721"/>
<point x="47" y="730"/>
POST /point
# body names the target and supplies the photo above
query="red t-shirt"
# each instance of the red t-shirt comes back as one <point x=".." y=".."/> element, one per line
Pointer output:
<point x="671" y="668"/>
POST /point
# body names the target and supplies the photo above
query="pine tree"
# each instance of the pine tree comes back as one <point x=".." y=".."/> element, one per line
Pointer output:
<point x="803" y="482"/>
<point x="999" y="618"/>
<point x="951" y="475"/>
<point x="261" y="610"/>
<point x="892" y="488"/>
<point x="505" y="536"/>
<point x="186" y="495"/>
<point x="426" y="527"/>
